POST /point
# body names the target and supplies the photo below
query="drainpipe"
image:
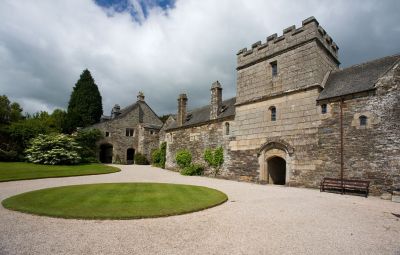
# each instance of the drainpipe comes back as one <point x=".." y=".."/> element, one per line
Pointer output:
<point x="341" y="143"/>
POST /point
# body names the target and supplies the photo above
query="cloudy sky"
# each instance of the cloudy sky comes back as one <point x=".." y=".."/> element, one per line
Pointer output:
<point x="164" y="47"/>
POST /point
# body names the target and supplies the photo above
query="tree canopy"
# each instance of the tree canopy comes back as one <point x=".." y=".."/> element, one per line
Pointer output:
<point x="85" y="107"/>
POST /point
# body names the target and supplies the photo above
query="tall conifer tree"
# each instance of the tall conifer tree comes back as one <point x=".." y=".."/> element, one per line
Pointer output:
<point x="85" y="107"/>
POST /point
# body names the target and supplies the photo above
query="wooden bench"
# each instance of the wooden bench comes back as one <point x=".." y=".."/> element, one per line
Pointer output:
<point x="335" y="184"/>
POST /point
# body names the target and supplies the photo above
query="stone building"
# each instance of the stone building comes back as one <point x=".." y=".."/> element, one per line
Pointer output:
<point x="293" y="110"/>
<point x="284" y="125"/>
<point x="132" y="129"/>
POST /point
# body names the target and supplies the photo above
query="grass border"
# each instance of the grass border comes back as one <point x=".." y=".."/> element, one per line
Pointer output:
<point x="118" y="218"/>
<point x="117" y="169"/>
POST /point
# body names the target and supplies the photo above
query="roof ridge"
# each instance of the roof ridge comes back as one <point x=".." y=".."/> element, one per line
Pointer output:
<point x="367" y="62"/>
<point x="205" y="106"/>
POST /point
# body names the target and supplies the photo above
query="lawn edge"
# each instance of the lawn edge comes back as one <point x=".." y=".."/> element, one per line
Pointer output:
<point x="117" y="169"/>
<point x="226" y="198"/>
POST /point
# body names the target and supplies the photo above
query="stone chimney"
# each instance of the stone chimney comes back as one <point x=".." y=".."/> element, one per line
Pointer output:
<point x="116" y="110"/>
<point x="182" y="101"/>
<point x="216" y="100"/>
<point x="140" y="96"/>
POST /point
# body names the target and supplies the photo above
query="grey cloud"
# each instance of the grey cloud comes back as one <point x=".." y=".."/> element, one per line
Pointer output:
<point x="45" y="45"/>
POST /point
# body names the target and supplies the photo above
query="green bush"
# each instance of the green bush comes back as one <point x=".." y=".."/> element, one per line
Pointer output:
<point x="87" y="138"/>
<point x="158" y="156"/>
<point x="54" y="149"/>
<point x="163" y="154"/>
<point x="192" y="169"/>
<point x="141" y="159"/>
<point x="183" y="158"/>
<point x="8" y="156"/>
<point x="214" y="158"/>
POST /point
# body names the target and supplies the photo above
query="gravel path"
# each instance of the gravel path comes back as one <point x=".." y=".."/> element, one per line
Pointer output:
<point x="257" y="219"/>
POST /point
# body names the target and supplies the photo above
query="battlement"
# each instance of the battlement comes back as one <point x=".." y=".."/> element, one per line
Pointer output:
<point x="291" y="38"/>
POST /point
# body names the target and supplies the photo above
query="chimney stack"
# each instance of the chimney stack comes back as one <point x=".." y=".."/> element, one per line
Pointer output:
<point x="216" y="100"/>
<point x="182" y="101"/>
<point x="116" y="110"/>
<point x="140" y="96"/>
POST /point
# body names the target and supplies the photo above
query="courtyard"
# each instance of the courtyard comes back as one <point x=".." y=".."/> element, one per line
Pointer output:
<point x="256" y="219"/>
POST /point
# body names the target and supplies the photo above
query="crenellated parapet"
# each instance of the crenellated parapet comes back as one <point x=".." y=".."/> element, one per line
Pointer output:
<point x="291" y="37"/>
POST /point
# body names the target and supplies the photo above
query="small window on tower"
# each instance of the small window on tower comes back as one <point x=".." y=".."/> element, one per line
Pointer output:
<point x="274" y="67"/>
<point x="107" y="134"/>
<point x="363" y="120"/>
<point x="226" y="128"/>
<point x="273" y="113"/>
<point x="324" y="108"/>
<point x="129" y="132"/>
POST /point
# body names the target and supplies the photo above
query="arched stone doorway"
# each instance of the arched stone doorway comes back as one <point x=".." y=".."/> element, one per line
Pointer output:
<point x="275" y="159"/>
<point x="277" y="170"/>
<point x="130" y="155"/>
<point x="106" y="153"/>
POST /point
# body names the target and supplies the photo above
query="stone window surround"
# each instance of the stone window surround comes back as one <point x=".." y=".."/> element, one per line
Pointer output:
<point x="108" y="134"/>
<point x="372" y="119"/>
<point x="363" y="120"/>
<point x="324" y="108"/>
<point x="272" y="110"/>
<point x="274" y="68"/>
<point x="227" y="128"/>
<point x="129" y="132"/>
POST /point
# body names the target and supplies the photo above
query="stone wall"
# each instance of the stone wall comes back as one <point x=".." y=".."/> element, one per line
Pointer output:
<point x="149" y="140"/>
<point x="302" y="58"/>
<point x="196" y="140"/>
<point x="297" y="121"/>
<point x="140" y="113"/>
<point x="371" y="152"/>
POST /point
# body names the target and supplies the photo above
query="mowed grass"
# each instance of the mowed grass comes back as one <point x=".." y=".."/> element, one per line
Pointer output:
<point x="12" y="171"/>
<point x="116" y="200"/>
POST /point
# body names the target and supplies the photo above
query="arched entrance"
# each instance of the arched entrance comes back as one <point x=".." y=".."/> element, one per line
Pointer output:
<point x="130" y="154"/>
<point x="275" y="159"/>
<point x="106" y="153"/>
<point x="277" y="170"/>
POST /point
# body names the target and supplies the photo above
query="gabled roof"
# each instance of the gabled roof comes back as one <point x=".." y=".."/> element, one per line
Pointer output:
<point x="128" y="109"/>
<point x="202" y="114"/>
<point x="357" y="78"/>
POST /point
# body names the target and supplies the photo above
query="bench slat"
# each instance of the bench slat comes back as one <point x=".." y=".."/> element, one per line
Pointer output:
<point x="353" y="185"/>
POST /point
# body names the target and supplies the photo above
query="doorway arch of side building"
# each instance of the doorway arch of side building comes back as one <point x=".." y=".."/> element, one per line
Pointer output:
<point x="106" y="153"/>
<point x="130" y="155"/>
<point x="275" y="162"/>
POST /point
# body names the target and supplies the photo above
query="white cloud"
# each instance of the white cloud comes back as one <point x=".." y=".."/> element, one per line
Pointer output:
<point x="45" y="45"/>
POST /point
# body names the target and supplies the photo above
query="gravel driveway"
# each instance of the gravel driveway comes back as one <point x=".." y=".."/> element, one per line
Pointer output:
<point x="257" y="219"/>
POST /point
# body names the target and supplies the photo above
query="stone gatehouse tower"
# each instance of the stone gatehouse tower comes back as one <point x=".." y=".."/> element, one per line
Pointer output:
<point x="283" y="127"/>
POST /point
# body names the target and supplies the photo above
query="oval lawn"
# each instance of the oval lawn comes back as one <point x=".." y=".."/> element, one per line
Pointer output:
<point x="116" y="200"/>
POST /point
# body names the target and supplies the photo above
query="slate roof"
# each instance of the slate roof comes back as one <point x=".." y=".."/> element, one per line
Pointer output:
<point x="357" y="78"/>
<point x="126" y="110"/>
<point x="202" y="114"/>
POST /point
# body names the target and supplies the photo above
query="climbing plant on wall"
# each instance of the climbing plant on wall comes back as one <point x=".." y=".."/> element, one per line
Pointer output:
<point x="214" y="159"/>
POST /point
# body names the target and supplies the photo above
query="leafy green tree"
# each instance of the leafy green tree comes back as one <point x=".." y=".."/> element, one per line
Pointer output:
<point x="54" y="149"/>
<point x="24" y="130"/>
<point x="87" y="139"/>
<point x="15" y="112"/>
<point x="58" y="120"/>
<point x="214" y="158"/>
<point x="85" y="107"/>
<point x="4" y="109"/>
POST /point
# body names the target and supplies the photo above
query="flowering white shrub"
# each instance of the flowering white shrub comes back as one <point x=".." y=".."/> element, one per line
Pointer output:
<point x="54" y="149"/>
